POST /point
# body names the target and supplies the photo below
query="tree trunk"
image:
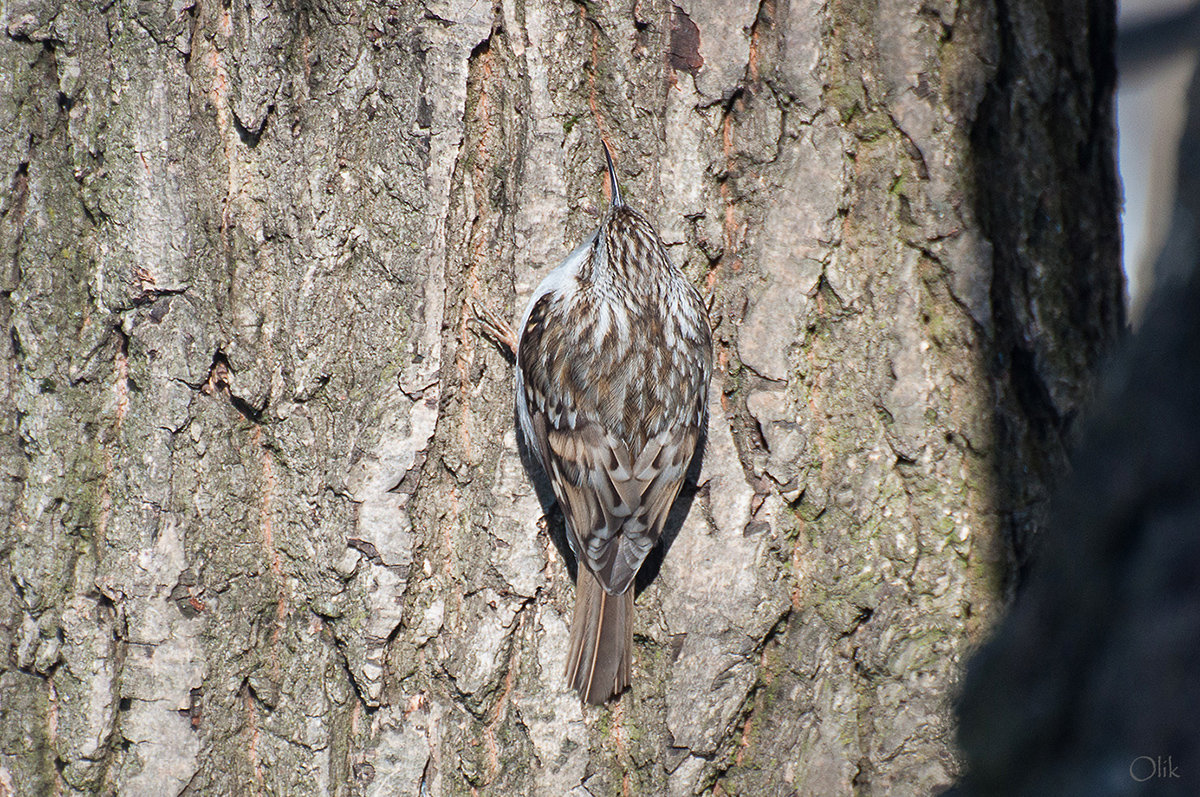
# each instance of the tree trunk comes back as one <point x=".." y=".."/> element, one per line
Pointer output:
<point x="267" y="528"/>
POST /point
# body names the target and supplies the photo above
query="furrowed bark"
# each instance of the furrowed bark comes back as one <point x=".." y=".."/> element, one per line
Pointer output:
<point x="267" y="527"/>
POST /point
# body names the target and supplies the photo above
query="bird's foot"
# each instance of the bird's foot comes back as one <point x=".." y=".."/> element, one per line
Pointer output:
<point x="491" y="326"/>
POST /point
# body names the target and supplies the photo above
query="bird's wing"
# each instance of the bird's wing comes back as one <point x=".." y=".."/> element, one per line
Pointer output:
<point x="615" y="489"/>
<point x="615" y="505"/>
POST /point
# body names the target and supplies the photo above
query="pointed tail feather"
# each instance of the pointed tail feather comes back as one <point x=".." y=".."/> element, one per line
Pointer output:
<point x="601" y="640"/>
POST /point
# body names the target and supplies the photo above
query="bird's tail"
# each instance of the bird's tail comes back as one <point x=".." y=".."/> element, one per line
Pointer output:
<point x="601" y="640"/>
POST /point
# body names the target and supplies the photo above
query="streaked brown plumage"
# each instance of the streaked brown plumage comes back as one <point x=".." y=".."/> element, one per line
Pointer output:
<point x="613" y="365"/>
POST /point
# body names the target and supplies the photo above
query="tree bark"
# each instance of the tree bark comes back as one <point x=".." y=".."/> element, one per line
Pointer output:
<point x="267" y="527"/>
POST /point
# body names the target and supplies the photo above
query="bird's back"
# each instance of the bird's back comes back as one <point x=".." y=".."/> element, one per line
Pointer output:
<point x="614" y="362"/>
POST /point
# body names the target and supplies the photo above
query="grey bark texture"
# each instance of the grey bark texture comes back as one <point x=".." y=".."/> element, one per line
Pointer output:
<point x="266" y="528"/>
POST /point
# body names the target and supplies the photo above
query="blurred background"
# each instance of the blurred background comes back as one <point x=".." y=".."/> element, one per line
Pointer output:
<point x="1159" y="116"/>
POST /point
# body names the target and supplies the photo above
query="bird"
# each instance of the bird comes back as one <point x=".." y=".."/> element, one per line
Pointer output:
<point x="613" y="364"/>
